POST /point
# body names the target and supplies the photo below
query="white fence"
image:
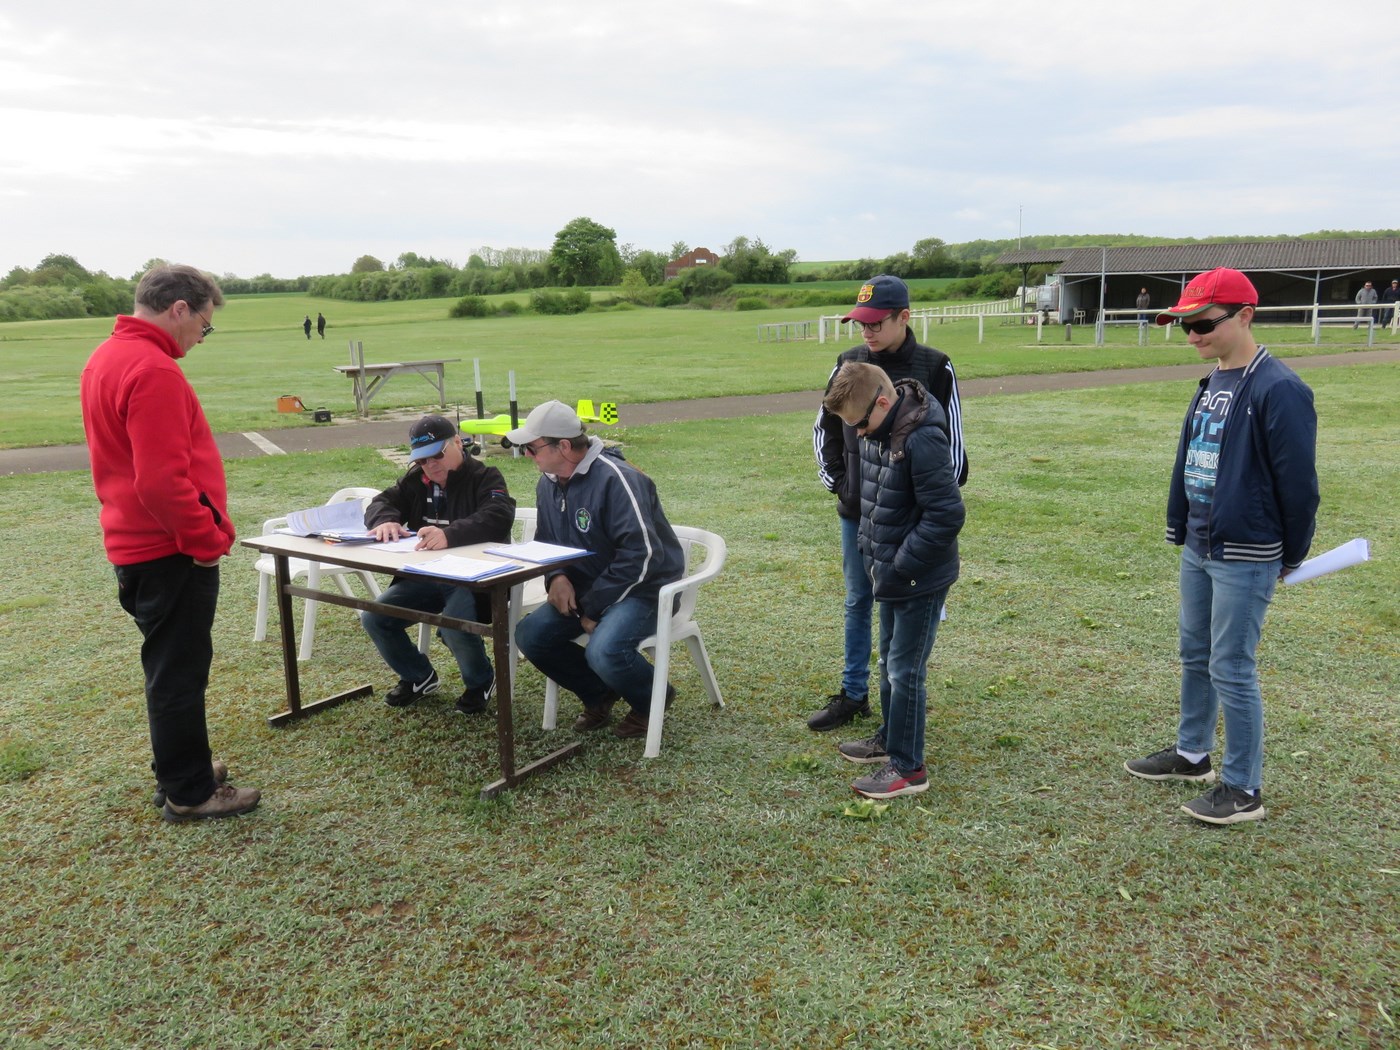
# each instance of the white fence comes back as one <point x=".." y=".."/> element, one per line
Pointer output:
<point x="1313" y="316"/>
<point x="924" y="316"/>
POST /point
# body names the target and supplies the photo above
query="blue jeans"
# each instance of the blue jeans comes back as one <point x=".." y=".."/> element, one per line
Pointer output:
<point x="860" y="601"/>
<point x="172" y="601"/>
<point x="907" y="632"/>
<point x="390" y="634"/>
<point x="609" y="665"/>
<point x="1222" y="615"/>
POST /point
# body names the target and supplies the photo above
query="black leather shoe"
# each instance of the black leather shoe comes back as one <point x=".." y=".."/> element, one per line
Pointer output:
<point x="839" y="710"/>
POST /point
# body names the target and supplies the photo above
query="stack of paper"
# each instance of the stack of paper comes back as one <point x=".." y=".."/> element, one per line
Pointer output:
<point x="1344" y="557"/>
<point x="457" y="567"/>
<point x="537" y="552"/>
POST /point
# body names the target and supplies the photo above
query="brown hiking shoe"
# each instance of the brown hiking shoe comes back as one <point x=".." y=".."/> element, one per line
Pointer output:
<point x="220" y="775"/>
<point x="594" y="717"/>
<point x="632" y="725"/>
<point x="226" y="801"/>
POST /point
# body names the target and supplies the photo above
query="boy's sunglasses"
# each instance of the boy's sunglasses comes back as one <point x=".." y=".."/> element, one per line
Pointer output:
<point x="1206" y="327"/>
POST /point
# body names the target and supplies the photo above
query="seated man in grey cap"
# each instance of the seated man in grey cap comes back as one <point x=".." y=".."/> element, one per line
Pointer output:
<point x="449" y="499"/>
<point x="588" y="496"/>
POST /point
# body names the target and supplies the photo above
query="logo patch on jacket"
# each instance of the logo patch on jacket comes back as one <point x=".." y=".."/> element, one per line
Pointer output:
<point x="582" y="519"/>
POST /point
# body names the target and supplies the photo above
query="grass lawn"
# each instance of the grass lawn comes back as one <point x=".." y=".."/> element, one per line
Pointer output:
<point x="639" y="355"/>
<point x="720" y="896"/>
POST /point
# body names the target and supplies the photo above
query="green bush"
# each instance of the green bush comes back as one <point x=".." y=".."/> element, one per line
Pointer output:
<point x="751" y="302"/>
<point x="669" y="295"/>
<point x="510" y="307"/>
<point x="470" y="306"/>
<point x="703" y="282"/>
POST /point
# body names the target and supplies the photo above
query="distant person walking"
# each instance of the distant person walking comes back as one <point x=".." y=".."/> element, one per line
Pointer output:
<point x="1366" y="297"/>
<point x="306" y="326"/>
<point x="1390" y="296"/>
<point x="1144" y="303"/>
<point x="165" y="524"/>
<point x="320" y="326"/>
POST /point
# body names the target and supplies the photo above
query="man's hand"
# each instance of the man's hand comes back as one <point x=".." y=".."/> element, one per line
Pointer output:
<point x="431" y="538"/>
<point x="587" y="624"/>
<point x="389" y="530"/>
<point x="561" y="596"/>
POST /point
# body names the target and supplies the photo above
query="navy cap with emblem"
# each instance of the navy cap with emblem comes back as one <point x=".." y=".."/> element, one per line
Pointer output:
<point x="428" y="435"/>
<point x="878" y="298"/>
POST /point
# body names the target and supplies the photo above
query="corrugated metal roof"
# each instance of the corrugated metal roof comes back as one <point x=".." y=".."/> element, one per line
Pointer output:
<point x="1240" y="255"/>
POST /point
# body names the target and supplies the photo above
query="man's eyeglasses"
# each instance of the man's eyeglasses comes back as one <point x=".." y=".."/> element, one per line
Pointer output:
<point x="1206" y="327"/>
<point x="534" y="450"/>
<point x="864" y="421"/>
<point x="874" y="326"/>
<point x="207" y="326"/>
<point x="441" y="452"/>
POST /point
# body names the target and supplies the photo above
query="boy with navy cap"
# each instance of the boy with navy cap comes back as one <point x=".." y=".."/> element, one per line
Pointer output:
<point x="882" y="310"/>
<point x="1242" y="505"/>
<point x="450" y="500"/>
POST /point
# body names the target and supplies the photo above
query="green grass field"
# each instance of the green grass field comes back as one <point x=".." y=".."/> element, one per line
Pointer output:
<point x="719" y="896"/>
<point x="259" y="353"/>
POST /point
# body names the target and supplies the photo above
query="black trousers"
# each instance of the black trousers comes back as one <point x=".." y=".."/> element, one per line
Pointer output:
<point x="172" y="601"/>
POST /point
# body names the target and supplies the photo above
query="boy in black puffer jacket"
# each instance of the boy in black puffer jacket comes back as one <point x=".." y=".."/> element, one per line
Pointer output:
<point x="910" y="515"/>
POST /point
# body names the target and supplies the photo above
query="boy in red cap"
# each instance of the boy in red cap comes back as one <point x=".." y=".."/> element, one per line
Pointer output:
<point x="1242" y="505"/>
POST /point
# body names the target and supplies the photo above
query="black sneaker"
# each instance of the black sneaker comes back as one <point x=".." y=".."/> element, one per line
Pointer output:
<point x="406" y="693"/>
<point x="888" y="782"/>
<point x="476" y="700"/>
<point x="1167" y="764"/>
<point x="839" y="710"/>
<point x="1224" y="804"/>
<point x="870" y="751"/>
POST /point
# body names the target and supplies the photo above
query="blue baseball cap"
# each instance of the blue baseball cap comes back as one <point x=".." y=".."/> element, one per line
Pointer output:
<point x="428" y="435"/>
<point x="879" y="297"/>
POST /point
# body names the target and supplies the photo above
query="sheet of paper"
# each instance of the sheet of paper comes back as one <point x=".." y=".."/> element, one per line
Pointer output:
<point x="407" y="543"/>
<point x="1353" y="552"/>
<point x="536" y="552"/>
<point x="457" y="567"/>
<point x="348" y="515"/>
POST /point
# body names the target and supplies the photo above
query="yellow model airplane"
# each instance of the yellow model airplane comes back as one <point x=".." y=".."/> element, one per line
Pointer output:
<point x="498" y="426"/>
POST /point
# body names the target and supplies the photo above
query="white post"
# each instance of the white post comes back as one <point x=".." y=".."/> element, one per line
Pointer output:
<point x="1039" y="325"/>
<point x="980" y="319"/>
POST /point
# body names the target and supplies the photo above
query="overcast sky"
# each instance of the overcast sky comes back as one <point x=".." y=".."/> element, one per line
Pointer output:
<point x="293" y="137"/>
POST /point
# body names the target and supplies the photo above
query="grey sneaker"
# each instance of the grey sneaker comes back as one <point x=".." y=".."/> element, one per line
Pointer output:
<point x="1168" y="765"/>
<point x="1224" y="804"/>
<point x="888" y="782"/>
<point x="406" y="692"/>
<point x="839" y="710"/>
<point x="226" y="801"/>
<point x="870" y="751"/>
<point x="220" y="775"/>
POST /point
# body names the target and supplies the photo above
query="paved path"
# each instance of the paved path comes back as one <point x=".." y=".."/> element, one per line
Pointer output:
<point x="390" y="433"/>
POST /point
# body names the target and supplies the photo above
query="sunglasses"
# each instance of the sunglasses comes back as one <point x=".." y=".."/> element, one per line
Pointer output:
<point x="204" y="321"/>
<point x="864" y="421"/>
<point x="535" y="450"/>
<point x="1206" y="327"/>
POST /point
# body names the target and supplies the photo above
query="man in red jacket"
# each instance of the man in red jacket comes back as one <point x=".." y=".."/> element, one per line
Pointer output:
<point x="165" y="524"/>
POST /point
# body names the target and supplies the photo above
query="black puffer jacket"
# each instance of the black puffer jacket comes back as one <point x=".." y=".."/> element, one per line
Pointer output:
<point x="910" y="509"/>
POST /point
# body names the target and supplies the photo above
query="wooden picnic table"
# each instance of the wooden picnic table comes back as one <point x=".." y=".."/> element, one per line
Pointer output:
<point x="370" y="379"/>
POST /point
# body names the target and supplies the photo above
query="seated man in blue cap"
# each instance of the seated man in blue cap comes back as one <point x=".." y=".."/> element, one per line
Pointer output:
<point x="588" y="496"/>
<point x="450" y="500"/>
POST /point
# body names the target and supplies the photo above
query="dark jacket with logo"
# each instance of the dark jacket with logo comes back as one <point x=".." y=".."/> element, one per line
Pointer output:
<point x="910" y="507"/>
<point x="611" y="508"/>
<point x="1264" y="506"/>
<point x="478" y="507"/>
<point x="837" y="446"/>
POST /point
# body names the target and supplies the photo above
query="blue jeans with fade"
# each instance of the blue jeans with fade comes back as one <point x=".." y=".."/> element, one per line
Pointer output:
<point x="609" y="664"/>
<point x="907" y="632"/>
<point x="390" y="634"/>
<point x="860" y="602"/>
<point x="172" y="601"/>
<point x="1223" y="604"/>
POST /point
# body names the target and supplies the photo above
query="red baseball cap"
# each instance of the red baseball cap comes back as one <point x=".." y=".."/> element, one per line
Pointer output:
<point x="1218" y="287"/>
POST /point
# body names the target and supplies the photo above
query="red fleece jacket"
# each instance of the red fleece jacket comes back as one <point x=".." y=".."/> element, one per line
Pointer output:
<point x="156" y="469"/>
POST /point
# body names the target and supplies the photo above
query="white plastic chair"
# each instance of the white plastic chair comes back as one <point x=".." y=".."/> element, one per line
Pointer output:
<point x="314" y="572"/>
<point x="671" y="627"/>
